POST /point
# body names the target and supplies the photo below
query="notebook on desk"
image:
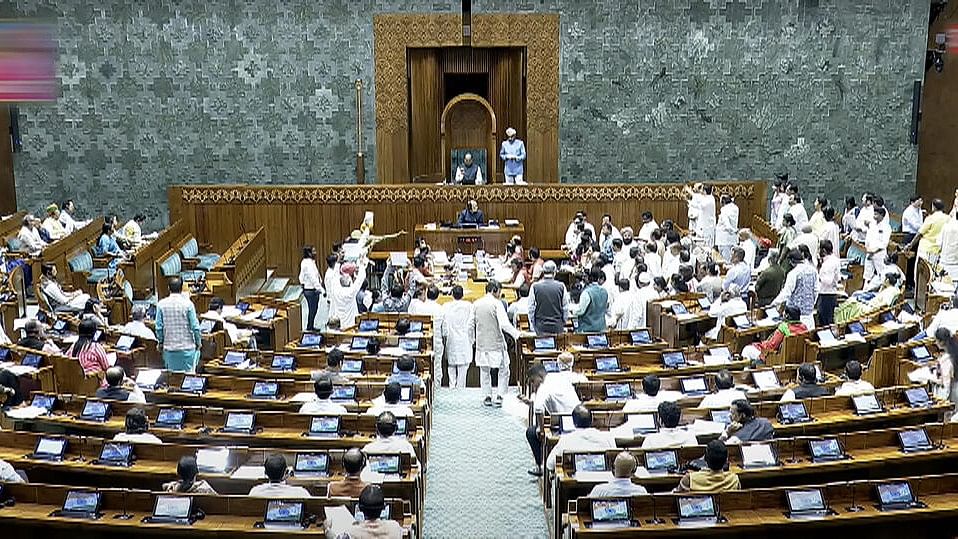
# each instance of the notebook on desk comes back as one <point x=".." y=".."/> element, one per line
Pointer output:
<point x="240" y="423"/>
<point x="97" y="411"/>
<point x="867" y="404"/>
<point x="641" y="336"/>
<point x="324" y="427"/>
<point x="674" y="360"/>
<point x="662" y="462"/>
<point x="234" y="358"/>
<point x="284" y="363"/>
<point x="600" y="340"/>
<point x="697" y="510"/>
<point x="895" y="496"/>
<point x="694" y="385"/>
<point x="193" y="384"/>
<point x="43" y="401"/>
<point x="766" y="380"/>
<point x="760" y="455"/>
<point x="540" y="344"/>
<point x="265" y="390"/>
<point x="790" y="413"/>
<point x="49" y="448"/>
<point x="386" y="464"/>
<point x="369" y="326"/>
<point x="618" y="391"/>
<point x="115" y="454"/>
<point x="918" y="397"/>
<point x="310" y="340"/>
<point x="914" y="441"/>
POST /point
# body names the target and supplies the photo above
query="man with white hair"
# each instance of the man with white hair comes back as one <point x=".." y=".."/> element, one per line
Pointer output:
<point x="808" y="239"/>
<point x="513" y="154"/>
<point x="29" y="234"/>
<point x="730" y="304"/>
<point x="342" y="295"/>
<point x="468" y="173"/>
<point x="548" y="303"/>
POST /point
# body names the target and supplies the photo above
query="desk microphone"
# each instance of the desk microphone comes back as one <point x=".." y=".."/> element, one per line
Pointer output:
<point x="853" y="508"/>
<point x="941" y="435"/>
<point x="793" y="459"/>
<point x="80" y="448"/>
<point x="655" y="519"/>
<point x="125" y="515"/>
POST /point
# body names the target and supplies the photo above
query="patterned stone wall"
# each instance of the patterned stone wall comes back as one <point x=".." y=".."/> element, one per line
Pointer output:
<point x="666" y="90"/>
<point x="161" y="92"/>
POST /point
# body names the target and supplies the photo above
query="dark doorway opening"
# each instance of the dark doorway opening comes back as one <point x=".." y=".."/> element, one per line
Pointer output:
<point x="461" y="83"/>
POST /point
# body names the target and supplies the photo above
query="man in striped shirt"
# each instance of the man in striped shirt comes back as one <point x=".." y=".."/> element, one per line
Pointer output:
<point x="178" y="330"/>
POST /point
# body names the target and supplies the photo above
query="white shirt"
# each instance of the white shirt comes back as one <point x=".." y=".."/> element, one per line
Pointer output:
<point x="750" y="249"/>
<point x="556" y="394"/>
<point x="132" y="231"/>
<point x="516" y="307"/>
<point x="645" y="233"/>
<point x="653" y="262"/>
<point x="309" y="275"/>
<point x="393" y="444"/>
<point x="829" y="275"/>
<point x="459" y="330"/>
<point x="877" y="236"/>
<point x="8" y="474"/>
<point x="461" y="174"/>
<point x="279" y="490"/>
<point x="911" y="219"/>
<point x="799" y="213"/>
<point x="398" y="410"/>
<point x="650" y="403"/>
<point x="830" y="232"/>
<point x="138" y="329"/>
<point x="54" y="228"/>
<point x="572" y="234"/>
<point x="946" y="318"/>
<point x="854" y="387"/>
<point x="809" y="240"/>
<point x="865" y="215"/>
<point x="726" y="231"/>
<point x="949" y="243"/>
<point x="31" y="239"/>
<point x="322" y="407"/>
<point x="590" y="439"/>
<point x="720" y="310"/>
<point x="722" y="398"/>
<point x="68" y="223"/>
<point x="342" y="299"/>
<point x="669" y="438"/>
<point x="144" y="438"/>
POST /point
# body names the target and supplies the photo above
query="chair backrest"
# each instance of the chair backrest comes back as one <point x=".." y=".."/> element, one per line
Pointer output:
<point x="190" y="249"/>
<point x="479" y="157"/>
<point x="71" y="379"/>
<point x="14" y="244"/>
<point x="81" y="263"/>
<point x="172" y="266"/>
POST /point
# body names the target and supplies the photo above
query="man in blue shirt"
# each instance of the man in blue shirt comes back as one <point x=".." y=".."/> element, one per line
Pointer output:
<point x="407" y="372"/>
<point x="513" y="153"/>
<point x="739" y="273"/>
<point x="472" y="215"/>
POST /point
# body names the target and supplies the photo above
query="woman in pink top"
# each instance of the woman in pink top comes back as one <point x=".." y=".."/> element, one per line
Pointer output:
<point x="89" y="353"/>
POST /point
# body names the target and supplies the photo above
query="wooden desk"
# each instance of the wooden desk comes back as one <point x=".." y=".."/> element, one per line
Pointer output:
<point x="11" y="224"/>
<point x="59" y="252"/>
<point x="469" y="240"/>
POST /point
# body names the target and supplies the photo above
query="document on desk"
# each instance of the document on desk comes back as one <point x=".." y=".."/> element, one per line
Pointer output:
<point x="716" y="360"/>
<point x="230" y="311"/>
<point x="704" y="427"/>
<point x="20" y="370"/>
<point x="892" y="325"/>
<point x="511" y="222"/>
<point x="921" y="375"/>
<point x="255" y="472"/>
<point x="111" y="358"/>
<point x="429" y="226"/>
<point x="593" y="477"/>
<point x="765" y="323"/>
<point x="250" y="316"/>
<point x="27" y="412"/>
<point x="855" y="337"/>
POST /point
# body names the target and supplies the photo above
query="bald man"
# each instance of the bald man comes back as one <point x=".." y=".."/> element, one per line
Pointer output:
<point x="621" y="484"/>
<point x="120" y="388"/>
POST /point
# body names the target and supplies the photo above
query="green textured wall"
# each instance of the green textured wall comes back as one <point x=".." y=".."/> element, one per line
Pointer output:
<point x="163" y="92"/>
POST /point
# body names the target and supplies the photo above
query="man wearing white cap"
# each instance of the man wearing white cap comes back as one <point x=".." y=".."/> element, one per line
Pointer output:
<point x="513" y="153"/>
<point x="548" y="303"/>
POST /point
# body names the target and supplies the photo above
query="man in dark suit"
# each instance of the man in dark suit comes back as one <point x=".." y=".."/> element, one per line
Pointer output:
<point x="472" y="215"/>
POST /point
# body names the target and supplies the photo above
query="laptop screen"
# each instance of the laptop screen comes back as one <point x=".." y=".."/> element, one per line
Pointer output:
<point x="116" y="452"/>
<point x="283" y="363"/>
<point x="917" y="396"/>
<point x="720" y="351"/>
<point x="673" y="360"/>
<point x="32" y="360"/>
<point x="898" y="492"/>
<point x="239" y="421"/>
<point x="857" y="327"/>
<point x="607" y="364"/>
<point x="704" y="303"/>
<point x="415" y="326"/>
<point x="243" y="306"/>
<point x="401" y="426"/>
<point x="914" y="439"/>
<point x="284" y="511"/>
<point x="352" y="366"/>
<point x="618" y="391"/>
<point x="589" y="462"/>
<point x="641" y="336"/>
<point x="721" y="416"/>
<point x="679" y="308"/>
<point x="693" y="385"/>
<point x="359" y="343"/>
<point x="311" y="462"/>
<point x="324" y="425"/>
<point x="60" y="325"/>
<point x="566" y="424"/>
<point x="597" y="341"/>
<point x="171" y="416"/>
<point x="268" y="313"/>
<point x="368" y="325"/>
<point x="361" y="517"/>
<point x="212" y="460"/>
<point x="344" y="393"/>
<point x="4" y="354"/>
<point x="544" y="343"/>
<point x="206" y="326"/>
<point x="772" y="313"/>
<point x="661" y="460"/>
<point x="825" y="336"/>
<point x="866" y="404"/>
<point x="409" y="344"/>
<point x="642" y="422"/>
<point x="792" y="411"/>
<point x="125" y="342"/>
<point x="827" y="448"/>
<point x="81" y="501"/>
<point x="265" y="389"/>
<point x="766" y="380"/>
<point x="551" y="366"/>
<point x="43" y="401"/>
<point x="385" y="464"/>
<point x="696" y="507"/>
<point x="405" y="394"/>
<point x="234" y="358"/>
<point x="805" y="500"/>
<point x="741" y="321"/>
<point x="51" y="446"/>
<point x="886" y="316"/>
<point x="604" y="511"/>
<point x="758" y="455"/>
<point x="193" y="384"/>
<point x="94" y="409"/>
<point x="173" y="506"/>
<point x="920" y="354"/>
<point x="311" y="339"/>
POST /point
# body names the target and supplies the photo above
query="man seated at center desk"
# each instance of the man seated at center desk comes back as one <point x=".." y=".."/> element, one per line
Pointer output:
<point x="472" y="215"/>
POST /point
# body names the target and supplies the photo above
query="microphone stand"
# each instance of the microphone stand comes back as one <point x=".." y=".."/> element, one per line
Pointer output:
<point x="80" y="448"/>
<point x="941" y="434"/>
<point x="125" y="515"/>
<point x="853" y="508"/>
<point x="655" y="519"/>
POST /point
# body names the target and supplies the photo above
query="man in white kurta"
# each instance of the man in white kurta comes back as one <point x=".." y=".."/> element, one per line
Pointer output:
<point x="491" y="350"/>
<point x="459" y="331"/>
<point x="702" y="214"/>
<point x="726" y="230"/>
<point x="342" y="295"/>
<point x="432" y="308"/>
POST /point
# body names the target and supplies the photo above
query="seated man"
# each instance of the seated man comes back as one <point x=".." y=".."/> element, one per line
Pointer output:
<point x="322" y="405"/>
<point x="585" y="437"/>
<point x="853" y="308"/>
<point x="350" y="486"/>
<point x="120" y="388"/>
<point x="137" y="429"/>
<point x="371" y="504"/>
<point x="334" y="362"/>
<point x="670" y="435"/>
<point x="714" y="479"/>
<point x="792" y="325"/>
<point x="807" y="384"/>
<point x="392" y="393"/>
<point x="36" y="338"/>
<point x="386" y="441"/>
<point x="854" y="384"/>
<point x="472" y="215"/>
<point x="468" y="173"/>
<point x="277" y="471"/>
<point x="240" y="337"/>
<point x="726" y="394"/>
<point x="407" y="372"/>
<point x="52" y="225"/>
<point x="186" y="479"/>
<point x="745" y="426"/>
<point x="553" y="393"/>
<point x="137" y="327"/>
<point x="651" y="396"/>
<point x="621" y="484"/>
<point x="8" y="474"/>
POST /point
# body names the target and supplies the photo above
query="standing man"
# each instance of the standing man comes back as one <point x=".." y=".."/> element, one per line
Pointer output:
<point x="739" y="273"/>
<point x="178" y="330"/>
<point x="342" y="296"/>
<point x="726" y="231"/>
<point x="513" y="153"/>
<point x="593" y="304"/>
<point x="459" y="330"/>
<point x="702" y="213"/>
<point x="468" y="173"/>
<point x="876" y="244"/>
<point x="491" y="349"/>
<point x="801" y="288"/>
<point x="548" y="303"/>
<point x="312" y="285"/>
<point x="912" y="218"/>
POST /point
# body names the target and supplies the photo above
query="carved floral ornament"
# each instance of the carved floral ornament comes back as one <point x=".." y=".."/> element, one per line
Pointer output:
<point x="411" y="194"/>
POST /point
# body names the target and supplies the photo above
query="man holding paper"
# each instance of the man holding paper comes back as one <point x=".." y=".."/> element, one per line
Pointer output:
<point x="513" y="154"/>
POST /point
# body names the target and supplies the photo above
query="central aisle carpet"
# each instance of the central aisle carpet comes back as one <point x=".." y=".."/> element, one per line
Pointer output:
<point x="477" y="484"/>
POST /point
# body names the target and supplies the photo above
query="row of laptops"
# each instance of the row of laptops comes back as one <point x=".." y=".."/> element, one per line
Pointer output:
<point x="593" y="341"/>
<point x="287" y="363"/>
<point x="372" y="326"/>
<point x="703" y="510"/>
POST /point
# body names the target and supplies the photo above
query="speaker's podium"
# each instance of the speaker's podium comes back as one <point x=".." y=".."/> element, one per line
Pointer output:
<point x="492" y="239"/>
<point x="468" y="125"/>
